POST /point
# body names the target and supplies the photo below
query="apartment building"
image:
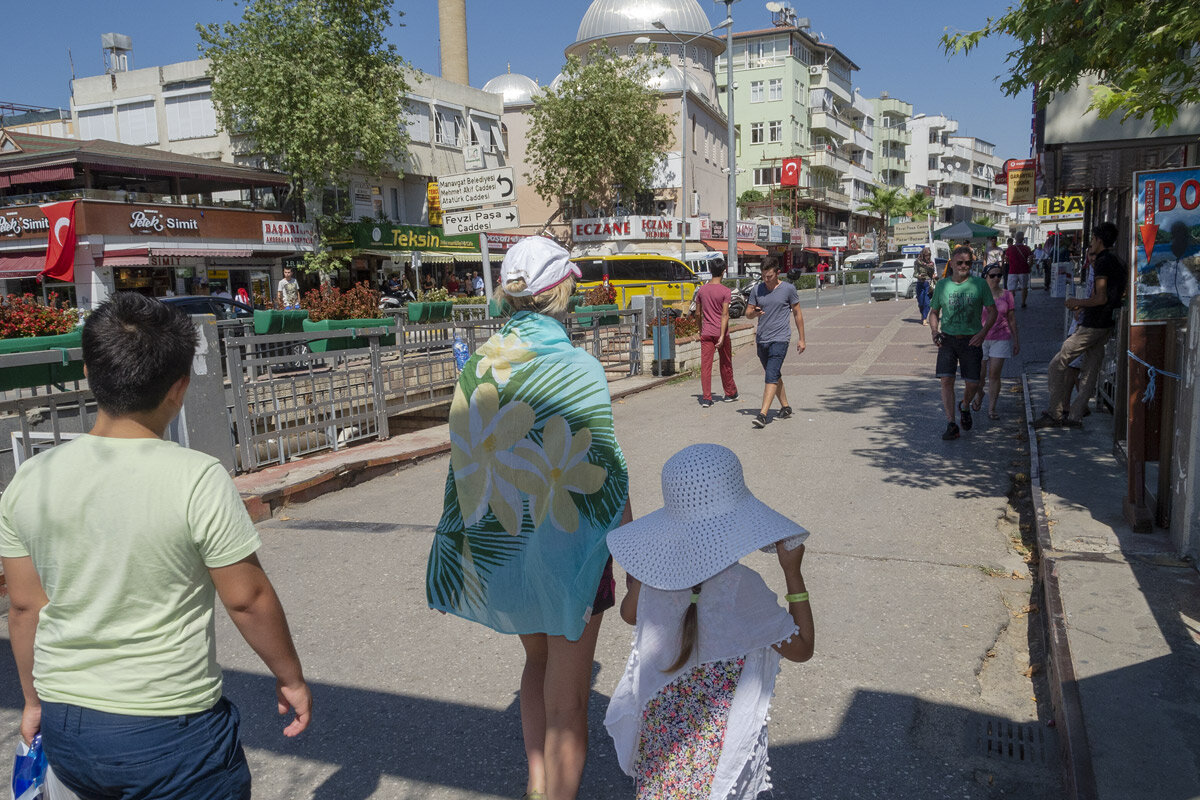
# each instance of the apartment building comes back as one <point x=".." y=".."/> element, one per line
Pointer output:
<point x="892" y="141"/>
<point x="793" y="96"/>
<point x="959" y="171"/>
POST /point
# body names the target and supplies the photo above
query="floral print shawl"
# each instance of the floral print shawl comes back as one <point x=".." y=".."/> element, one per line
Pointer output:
<point x="536" y="481"/>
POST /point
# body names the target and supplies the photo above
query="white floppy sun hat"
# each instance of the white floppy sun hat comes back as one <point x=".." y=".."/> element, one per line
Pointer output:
<point x="709" y="520"/>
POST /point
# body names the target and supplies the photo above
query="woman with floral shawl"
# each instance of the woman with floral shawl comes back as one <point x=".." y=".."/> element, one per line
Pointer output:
<point x="536" y="481"/>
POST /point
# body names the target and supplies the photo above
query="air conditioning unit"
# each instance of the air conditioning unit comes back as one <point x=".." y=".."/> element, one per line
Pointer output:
<point x="815" y="69"/>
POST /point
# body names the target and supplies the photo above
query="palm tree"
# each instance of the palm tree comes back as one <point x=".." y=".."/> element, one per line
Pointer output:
<point x="919" y="205"/>
<point x="883" y="203"/>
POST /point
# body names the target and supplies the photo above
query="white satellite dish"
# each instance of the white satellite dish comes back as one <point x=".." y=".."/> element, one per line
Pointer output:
<point x="774" y="8"/>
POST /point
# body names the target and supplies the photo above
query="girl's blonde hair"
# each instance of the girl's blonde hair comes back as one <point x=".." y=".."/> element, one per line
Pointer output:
<point x="689" y="635"/>
<point x="553" y="302"/>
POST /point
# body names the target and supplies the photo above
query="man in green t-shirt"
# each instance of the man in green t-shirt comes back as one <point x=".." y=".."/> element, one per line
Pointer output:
<point x="115" y="547"/>
<point x="960" y="315"/>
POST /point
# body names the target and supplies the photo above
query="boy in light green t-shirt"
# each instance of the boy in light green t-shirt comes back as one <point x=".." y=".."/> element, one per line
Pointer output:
<point x="115" y="547"/>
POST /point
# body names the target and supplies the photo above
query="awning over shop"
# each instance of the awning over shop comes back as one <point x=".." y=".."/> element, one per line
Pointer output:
<point x="664" y="248"/>
<point x="24" y="266"/>
<point x="137" y="257"/>
<point x="194" y="253"/>
<point x="822" y="252"/>
<point x="743" y="248"/>
<point x="41" y="175"/>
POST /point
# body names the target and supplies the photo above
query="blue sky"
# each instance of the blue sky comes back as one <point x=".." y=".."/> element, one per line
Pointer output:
<point x="894" y="44"/>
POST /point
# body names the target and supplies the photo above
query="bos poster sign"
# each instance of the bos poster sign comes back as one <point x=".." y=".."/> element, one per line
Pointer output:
<point x="1166" y="244"/>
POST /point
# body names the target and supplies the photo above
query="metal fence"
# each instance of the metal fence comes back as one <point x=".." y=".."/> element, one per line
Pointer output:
<point x="290" y="395"/>
<point x="288" y="400"/>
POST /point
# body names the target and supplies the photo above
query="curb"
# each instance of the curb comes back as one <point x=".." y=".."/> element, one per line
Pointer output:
<point x="262" y="505"/>
<point x="1079" y="779"/>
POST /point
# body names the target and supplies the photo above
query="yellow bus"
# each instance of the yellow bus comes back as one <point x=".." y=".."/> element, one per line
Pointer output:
<point x="638" y="274"/>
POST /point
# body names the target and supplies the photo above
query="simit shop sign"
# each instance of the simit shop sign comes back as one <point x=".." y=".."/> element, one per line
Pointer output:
<point x="153" y="220"/>
<point x="14" y="224"/>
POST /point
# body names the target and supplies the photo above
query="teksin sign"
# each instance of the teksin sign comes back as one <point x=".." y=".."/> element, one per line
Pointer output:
<point x="382" y="236"/>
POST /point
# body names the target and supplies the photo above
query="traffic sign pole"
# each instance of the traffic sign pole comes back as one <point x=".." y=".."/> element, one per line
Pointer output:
<point x="487" y="272"/>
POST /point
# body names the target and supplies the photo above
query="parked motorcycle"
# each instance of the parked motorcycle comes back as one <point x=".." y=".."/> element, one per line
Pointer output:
<point x="396" y="299"/>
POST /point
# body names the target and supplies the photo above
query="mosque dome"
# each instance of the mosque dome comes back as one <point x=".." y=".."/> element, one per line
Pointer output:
<point x="606" y="18"/>
<point x="516" y="89"/>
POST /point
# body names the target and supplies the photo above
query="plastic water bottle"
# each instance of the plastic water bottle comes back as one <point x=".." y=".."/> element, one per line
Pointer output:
<point x="461" y="352"/>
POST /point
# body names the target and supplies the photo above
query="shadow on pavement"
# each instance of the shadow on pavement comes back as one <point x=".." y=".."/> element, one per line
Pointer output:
<point x="906" y="445"/>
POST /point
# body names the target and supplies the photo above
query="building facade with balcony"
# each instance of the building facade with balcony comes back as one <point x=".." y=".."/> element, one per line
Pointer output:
<point x="893" y="140"/>
<point x="793" y="96"/>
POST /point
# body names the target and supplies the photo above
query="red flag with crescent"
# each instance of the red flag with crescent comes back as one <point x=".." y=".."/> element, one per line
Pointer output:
<point x="791" y="172"/>
<point x="60" y="251"/>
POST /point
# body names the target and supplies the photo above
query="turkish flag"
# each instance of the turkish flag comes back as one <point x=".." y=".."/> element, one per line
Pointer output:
<point x="791" y="172"/>
<point x="60" y="251"/>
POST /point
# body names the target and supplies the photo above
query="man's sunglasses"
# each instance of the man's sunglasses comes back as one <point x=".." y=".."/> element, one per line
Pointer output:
<point x="993" y="274"/>
<point x="961" y="261"/>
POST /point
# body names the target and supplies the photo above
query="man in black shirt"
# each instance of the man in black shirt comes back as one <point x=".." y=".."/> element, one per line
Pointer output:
<point x="1095" y="326"/>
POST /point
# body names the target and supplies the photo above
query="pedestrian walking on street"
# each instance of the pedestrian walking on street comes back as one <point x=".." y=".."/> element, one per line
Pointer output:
<point x="924" y="271"/>
<point x="960" y="315"/>
<point x="1020" y="264"/>
<point x="993" y="255"/>
<point x="689" y="715"/>
<point x="1096" y="324"/>
<point x="112" y="593"/>
<point x="287" y="292"/>
<point x="712" y="302"/>
<point x="774" y="304"/>
<point x="536" y="482"/>
<point x="1002" y="342"/>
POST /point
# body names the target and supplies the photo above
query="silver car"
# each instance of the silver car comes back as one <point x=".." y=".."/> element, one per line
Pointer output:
<point x="894" y="279"/>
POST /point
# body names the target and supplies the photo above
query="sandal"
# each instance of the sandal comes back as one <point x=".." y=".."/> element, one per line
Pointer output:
<point x="993" y="415"/>
<point x="977" y="404"/>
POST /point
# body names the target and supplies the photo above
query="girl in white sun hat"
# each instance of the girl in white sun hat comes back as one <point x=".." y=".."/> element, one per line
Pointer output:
<point x="688" y="717"/>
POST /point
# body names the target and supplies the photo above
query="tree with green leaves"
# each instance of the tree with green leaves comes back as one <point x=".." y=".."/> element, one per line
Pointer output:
<point x="598" y="138"/>
<point x="1143" y="55"/>
<point x="919" y="205"/>
<point x="312" y="87"/>
<point x="884" y="203"/>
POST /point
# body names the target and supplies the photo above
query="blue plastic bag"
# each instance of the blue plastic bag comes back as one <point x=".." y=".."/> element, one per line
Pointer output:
<point x="29" y="770"/>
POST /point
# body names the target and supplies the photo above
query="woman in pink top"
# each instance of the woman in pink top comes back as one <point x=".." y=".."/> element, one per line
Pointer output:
<point x="1002" y="340"/>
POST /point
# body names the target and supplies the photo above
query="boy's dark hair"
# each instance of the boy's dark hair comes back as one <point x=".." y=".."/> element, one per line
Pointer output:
<point x="135" y="348"/>
<point x="716" y="267"/>
<point x="771" y="262"/>
<point x="1107" y="231"/>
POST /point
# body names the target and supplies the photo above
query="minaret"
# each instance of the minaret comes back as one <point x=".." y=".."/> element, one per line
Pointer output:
<point x="452" y="30"/>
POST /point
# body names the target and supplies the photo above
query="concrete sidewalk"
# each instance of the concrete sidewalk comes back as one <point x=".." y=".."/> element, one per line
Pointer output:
<point x="1122" y="614"/>
<point x="1123" y="619"/>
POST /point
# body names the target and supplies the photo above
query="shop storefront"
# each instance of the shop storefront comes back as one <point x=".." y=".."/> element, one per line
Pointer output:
<point x="158" y="250"/>
<point x="417" y="253"/>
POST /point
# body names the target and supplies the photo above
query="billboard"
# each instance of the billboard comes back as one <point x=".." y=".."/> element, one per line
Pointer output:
<point x="1166" y="244"/>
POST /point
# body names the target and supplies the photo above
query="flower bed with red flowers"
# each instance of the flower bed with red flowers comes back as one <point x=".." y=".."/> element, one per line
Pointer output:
<point x="22" y="316"/>
<point x="329" y="302"/>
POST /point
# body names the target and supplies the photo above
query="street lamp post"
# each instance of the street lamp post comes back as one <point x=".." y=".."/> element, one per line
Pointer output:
<point x="683" y="137"/>
<point x="731" y="256"/>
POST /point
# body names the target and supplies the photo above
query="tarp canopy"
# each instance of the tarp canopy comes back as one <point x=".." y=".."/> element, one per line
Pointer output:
<point x="965" y="230"/>
<point x="743" y="248"/>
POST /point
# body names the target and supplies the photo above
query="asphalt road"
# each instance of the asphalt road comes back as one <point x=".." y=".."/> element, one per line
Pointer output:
<point x="920" y="596"/>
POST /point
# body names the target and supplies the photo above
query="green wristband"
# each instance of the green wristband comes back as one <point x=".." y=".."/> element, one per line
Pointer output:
<point x="802" y="597"/>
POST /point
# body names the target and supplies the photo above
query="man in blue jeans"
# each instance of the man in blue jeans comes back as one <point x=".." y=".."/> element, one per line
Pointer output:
<point x="774" y="303"/>
<point x="115" y="547"/>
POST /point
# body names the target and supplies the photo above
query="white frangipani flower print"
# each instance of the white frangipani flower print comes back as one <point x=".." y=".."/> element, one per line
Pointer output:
<point x="553" y="471"/>
<point x="499" y="354"/>
<point x="481" y="437"/>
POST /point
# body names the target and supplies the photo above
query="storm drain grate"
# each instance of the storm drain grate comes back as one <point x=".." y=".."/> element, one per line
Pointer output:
<point x="1025" y="743"/>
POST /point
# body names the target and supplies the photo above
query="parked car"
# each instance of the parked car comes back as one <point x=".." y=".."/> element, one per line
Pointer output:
<point x="219" y="307"/>
<point x="894" y="279"/>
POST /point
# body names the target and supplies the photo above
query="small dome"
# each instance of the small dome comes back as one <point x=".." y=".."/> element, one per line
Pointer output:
<point x="617" y="17"/>
<point x="516" y="89"/>
<point x="670" y="79"/>
<point x="557" y="82"/>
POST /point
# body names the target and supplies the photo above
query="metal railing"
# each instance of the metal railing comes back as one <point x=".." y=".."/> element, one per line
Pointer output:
<point x="285" y="397"/>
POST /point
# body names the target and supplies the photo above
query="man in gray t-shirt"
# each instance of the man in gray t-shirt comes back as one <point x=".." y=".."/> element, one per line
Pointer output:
<point x="773" y="303"/>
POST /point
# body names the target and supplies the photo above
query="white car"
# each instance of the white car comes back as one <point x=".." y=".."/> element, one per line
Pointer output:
<point x="894" y="279"/>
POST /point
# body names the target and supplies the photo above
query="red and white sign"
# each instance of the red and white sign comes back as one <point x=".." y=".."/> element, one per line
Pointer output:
<point x="297" y="234"/>
<point x="657" y="228"/>
<point x="60" y="250"/>
<point x="791" y="172"/>
<point x="500" y="242"/>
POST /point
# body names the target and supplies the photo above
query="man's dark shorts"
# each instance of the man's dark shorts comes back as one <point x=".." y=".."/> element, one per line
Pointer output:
<point x="956" y="352"/>
<point x="190" y="757"/>
<point x="771" y="354"/>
